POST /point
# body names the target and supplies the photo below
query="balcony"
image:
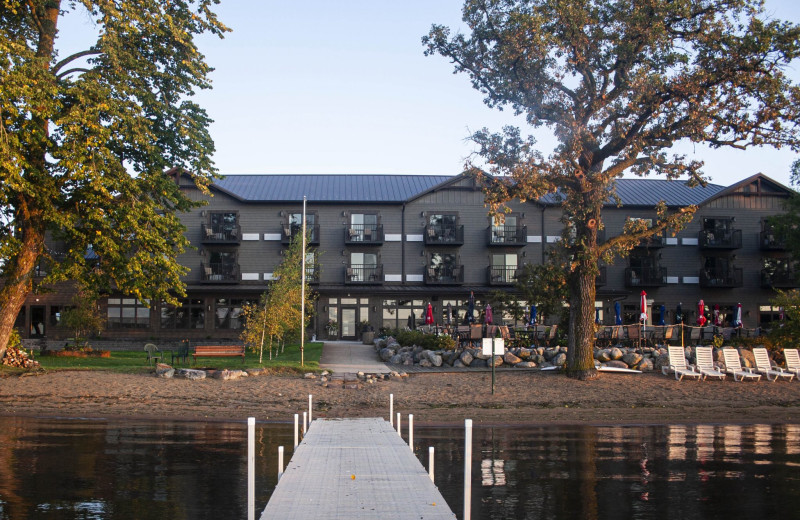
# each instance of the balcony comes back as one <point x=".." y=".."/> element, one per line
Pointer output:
<point x="722" y="279"/>
<point x="653" y="242"/>
<point x="312" y="274"/>
<point x="502" y="275"/>
<point x="772" y="278"/>
<point x="444" y="275"/>
<point x="645" y="276"/>
<point x="291" y="230"/>
<point x="363" y="274"/>
<point x="444" y="235"/>
<point x="363" y="234"/>
<point x="219" y="273"/>
<point x="769" y="242"/>
<point x="221" y="234"/>
<point x="731" y="239"/>
<point x="507" y="235"/>
<point x="602" y="278"/>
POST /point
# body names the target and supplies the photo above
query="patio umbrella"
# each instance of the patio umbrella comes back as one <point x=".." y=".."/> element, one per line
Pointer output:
<point x="617" y="314"/>
<point x="701" y="316"/>
<point x="488" y="313"/>
<point x="597" y="315"/>
<point x="471" y="308"/>
<point x="716" y="315"/>
<point x="532" y="320"/>
<point x="737" y="321"/>
<point x="412" y="321"/>
<point x="679" y="314"/>
<point x="643" y="306"/>
<point x="663" y="311"/>
<point x="449" y="313"/>
<point x="429" y="315"/>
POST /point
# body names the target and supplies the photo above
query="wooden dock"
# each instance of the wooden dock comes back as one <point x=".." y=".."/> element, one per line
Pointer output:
<point x="355" y="468"/>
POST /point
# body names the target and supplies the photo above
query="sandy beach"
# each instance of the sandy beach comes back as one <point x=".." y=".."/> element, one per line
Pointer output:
<point x="434" y="398"/>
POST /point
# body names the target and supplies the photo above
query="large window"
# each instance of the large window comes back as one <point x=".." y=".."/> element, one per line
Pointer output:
<point x="127" y="313"/>
<point x="396" y="313"/>
<point x="443" y="267"/>
<point x="363" y="227"/>
<point x="189" y="314"/>
<point x="504" y="229"/>
<point x="228" y="313"/>
<point x="504" y="268"/>
<point x="363" y="267"/>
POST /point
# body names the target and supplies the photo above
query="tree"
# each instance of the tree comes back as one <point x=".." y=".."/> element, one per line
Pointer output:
<point x="85" y="140"/>
<point x="83" y="317"/>
<point x="544" y="285"/>
<point x="618" y="83"/>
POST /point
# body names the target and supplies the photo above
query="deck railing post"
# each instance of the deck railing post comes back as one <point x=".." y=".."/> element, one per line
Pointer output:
<point x="467" y="469"/>
<point x="309" y="410"/>
<point x="251" y="468"/>
<point x="430" y="462"/>
<point x="296" y="430"/>
<point x="399" y="431"/>
<point x="411" y="431"/>
<point x="305" y="423"/>
<point x="280" y="462"/>
<point x="391" y="410"/>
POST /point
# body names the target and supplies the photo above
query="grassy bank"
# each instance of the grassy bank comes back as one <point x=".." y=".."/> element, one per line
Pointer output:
<point x="133" y="362"/>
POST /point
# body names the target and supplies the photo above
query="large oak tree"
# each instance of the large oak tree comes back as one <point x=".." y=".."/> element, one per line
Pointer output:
<point x="619" y="83"/>
<point x="85" y="139"/>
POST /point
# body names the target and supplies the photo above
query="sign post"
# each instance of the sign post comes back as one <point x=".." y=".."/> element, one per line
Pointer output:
<point x="491" y="347"/>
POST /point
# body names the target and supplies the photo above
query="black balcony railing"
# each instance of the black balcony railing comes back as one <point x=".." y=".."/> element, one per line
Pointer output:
<point x="731" y="239"/>
<point x="363" y="274"/>
<point x="312" y="274"/>
<point x="219" y="273"/>
<point x="292" y="230"/>
<point x="779" y="279"/>
<point x="444" y="235"/>
<point x="731" y="277"/>
<point x="601" y="278"/>
<point x="221" y="234"/>
<point x="645" y="276"/>
<point x="507" y="235"/>
<point x="444" y="275"/>
<point x="654" y="241"/>
<point x="502" y="275"/>
<point x="363" y="234"/>
<point x="769" y="242"/>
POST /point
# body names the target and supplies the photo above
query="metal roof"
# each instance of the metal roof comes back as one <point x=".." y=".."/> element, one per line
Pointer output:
<point x="328" y="188"/>
<point x="648" y="192"/>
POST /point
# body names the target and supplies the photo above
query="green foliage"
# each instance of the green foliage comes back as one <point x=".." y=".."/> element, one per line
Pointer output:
<point x="618" y="83"/>
<point x="408" y="338"/>
<point x="83" y="318"/>
<point x="85" y="139"/>
<point x="787" y="333"/>
<point x="546" y="286"/>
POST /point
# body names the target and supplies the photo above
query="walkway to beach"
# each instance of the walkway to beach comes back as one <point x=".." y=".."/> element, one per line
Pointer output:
<point x="355" y="468"/>
<point x="351" y="357"/>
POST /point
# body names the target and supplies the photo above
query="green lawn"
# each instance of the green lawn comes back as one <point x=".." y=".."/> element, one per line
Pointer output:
<point x="136" y="361"/>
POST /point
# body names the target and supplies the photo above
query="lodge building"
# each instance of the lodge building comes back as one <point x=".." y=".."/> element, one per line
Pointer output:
<point x="387" y="245"/>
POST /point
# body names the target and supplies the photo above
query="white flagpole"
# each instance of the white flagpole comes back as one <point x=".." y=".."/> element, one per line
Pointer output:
<point x="303" y="289"/>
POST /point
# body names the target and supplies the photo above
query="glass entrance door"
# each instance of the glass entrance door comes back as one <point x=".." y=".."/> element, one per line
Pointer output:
<point x="37" y="321"/>
<point x="349" y="323"/>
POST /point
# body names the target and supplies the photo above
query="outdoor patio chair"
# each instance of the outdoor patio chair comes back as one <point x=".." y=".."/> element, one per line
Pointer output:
<point x="153" y="353"/>
<point x="733" y="366"/>
<point x="181" y="353"/>
<point x="764" y="366"/>
<point x="551" y="335"/>
<point x="695" y="334"/>
<point x="705" y="363"/>
<point x="677" y="364"/>
<point x="792" y="356"/>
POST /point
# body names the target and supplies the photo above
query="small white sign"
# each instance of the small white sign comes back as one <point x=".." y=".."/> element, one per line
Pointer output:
<point x="499" y="347"/>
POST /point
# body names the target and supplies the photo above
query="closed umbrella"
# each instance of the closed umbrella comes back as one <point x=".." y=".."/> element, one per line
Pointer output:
<point x="701" y="316"/>
<point x="532" y="320"/>
<point x="716" y="315"/>
<point x="411" y="321"/>
<point x="449" y="313"/>
<point x="597" y="315"/>
<point x="737" y="321"/>
<point x="471" y="308"/>
<point x="617" y="314"/>
<point x="488" y="313"/>
<point x="663" y="312"/>
<point x="429" y="315"/>
<point x="679" y="314"/>
<point x="643" y="306"/>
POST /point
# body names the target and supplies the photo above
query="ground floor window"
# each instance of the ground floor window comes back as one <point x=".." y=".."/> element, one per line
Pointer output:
<point x="769" y="316"/>
<point x="228" y="313"/>
<point x="401" y="314"/>
<point x="189" y="314"/>
<point x="127" y="313"/>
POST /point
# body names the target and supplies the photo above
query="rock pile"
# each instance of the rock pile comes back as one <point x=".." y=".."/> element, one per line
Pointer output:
<point x="16" y="357"/>
<point x="350" y="380"/>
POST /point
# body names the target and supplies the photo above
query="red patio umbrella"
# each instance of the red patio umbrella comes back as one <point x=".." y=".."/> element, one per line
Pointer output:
<point x="716" y="315"/>
<point x="429" y="315"/>
<point x="643" y="305"/>
<point x="701" y="313"/>
<point x="488" y="313"/>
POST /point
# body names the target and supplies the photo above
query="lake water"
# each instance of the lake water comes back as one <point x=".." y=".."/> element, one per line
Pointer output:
<point x="103" y="469"/>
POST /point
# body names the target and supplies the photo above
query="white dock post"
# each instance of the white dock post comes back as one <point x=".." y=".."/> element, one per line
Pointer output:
<point x="309" y="410"/>
<point x="251" y="468"/>
<point x="430" y="462"/>
<point x="411" y="431"/>
<point x="399" y="432"/>
<point x="391" y="409"/>
<point x="305" y="423"/>
<point x="280" y="462"/>
<point x="296" y="430"/>
<point x="467" y="469"/>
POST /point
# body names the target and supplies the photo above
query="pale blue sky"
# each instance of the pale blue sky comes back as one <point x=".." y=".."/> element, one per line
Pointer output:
<point x="344" y="87"/>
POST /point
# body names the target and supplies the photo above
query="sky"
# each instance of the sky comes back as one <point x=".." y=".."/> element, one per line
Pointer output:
<point x="344" y="88"/>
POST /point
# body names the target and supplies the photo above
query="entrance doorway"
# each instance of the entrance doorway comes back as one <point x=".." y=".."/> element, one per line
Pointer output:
<point x="349" y="323"/>
<point x="37" y="321"/>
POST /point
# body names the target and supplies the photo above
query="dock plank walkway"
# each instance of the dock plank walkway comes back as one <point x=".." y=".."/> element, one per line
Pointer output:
<point x="389" y="482"/>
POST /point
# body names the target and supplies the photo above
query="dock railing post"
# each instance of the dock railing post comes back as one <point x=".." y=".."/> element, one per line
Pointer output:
<point x="430" y="462"/>
<point x="411" y="431"/>
<point x="467" y="469"/>
<point x="296" y="430"/>
<point x="305" y="423"/>
<point x="280" y="462"/>
<point x="399" y="430"/>
<point x="251" y="468"/>
<point x="309" y="410"/>
<point x="391" y="410"/>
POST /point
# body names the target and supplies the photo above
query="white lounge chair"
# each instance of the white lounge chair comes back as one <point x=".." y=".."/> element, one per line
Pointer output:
<point x="705" y="363"/>
<point x="733" y="366"/>
<point x="764" y="366"/>
<point x="792" y="356"/>
<point x="677" y="364"/>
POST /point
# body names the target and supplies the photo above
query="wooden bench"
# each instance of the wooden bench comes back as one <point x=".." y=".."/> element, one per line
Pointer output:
<point x="218" y="351"/>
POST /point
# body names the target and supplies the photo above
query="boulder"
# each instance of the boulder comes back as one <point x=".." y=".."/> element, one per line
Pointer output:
<point x="661" y="361"/>
<point x="425" y="363"/>
<point x="164" y="371"/>
<point x="524" y="353"/>
<point x="435" y="359"/>
<point x="603" y="355"/>
<point x="550" y="353"/>
<point x="479" y="363"/>
<point x="511" y="359"/>
<point x="396" y="359"/>
<point x="616" y="354"/>
<point x="525" y="364"/>
<point x="646" y="365"/>
<point x="466" y="358"/>
<point x="386" y="354"/>
<point x="560" y="359"/>
<point x="498" y="361"/>
<point x="309" y="375"/>
<point x="748" y="359"/>
<point x="458" y="364"/>
<point x="189" y="373"/>
<point x="615" y="364"/>
<point x="632" y="359"/>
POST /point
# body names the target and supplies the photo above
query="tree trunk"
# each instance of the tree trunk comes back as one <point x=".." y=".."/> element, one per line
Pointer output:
<point x="580" y="346"/>
<point x="18" y="281"/>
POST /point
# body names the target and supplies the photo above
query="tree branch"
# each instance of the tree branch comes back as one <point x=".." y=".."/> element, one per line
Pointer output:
<point x="73" y="57"/>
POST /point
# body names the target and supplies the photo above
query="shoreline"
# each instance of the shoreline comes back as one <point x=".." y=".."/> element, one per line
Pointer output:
<point x="436" y="399"/>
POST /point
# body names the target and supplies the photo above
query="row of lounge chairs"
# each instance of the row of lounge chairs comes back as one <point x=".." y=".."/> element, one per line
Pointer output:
<point x="705" y="368"/>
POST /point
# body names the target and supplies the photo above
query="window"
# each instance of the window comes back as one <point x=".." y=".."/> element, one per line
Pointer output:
<point x="770" y="316"/>
<point x="443" y="228"/>
<point x="222" y="263"/>
<point x="190" y="314"/>
<point x="55" y="314"/>
<point x="228" y="313"/>
<point x="127" y="313"/>
<point x="224" y="226"/>
<point x="396" y="313"/>
<point x="362" y="267"/>
<point x="443" y="267"/>
<point x="504" y="229"/>
<point x="363" y="227"/>
<point x="504" y="268"/>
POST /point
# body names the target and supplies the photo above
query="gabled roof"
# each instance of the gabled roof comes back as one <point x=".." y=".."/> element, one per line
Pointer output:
<point x="327" y="188"/>
<point x="649" y="192"/>
<point x="758" y="184"/>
